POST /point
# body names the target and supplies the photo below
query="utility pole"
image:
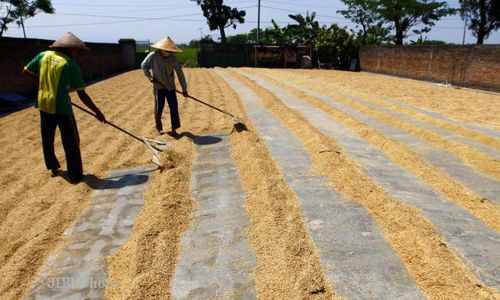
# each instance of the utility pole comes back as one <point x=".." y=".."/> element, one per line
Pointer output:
<point x="258" y="34"/>
<point x="258" y="23"/>
<point x="465" y="19"/>
<point x="465" y="30"/>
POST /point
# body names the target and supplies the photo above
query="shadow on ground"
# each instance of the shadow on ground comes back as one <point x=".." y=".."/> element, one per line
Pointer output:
<point x="110" y="183"/>
<point x="200" y="139"/>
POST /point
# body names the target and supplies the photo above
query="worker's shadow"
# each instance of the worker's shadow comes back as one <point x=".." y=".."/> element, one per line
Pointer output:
<point x="200" y="139"/>
<point x="116" y="182"/>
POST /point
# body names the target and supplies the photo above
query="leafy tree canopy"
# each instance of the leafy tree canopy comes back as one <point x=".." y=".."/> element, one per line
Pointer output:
<point x="336" y="43"/>
<point x="220" y="16"/>
<point x="265" y="37"/>
<point x="20" y="10"/>
<point x="424" y="41"/>
<point x="365" y="15"/>
<point x="406" y="14"/>
<point x="400" y="16"/>
<point x="306" y="30"/>
<point x="483" y="17"/>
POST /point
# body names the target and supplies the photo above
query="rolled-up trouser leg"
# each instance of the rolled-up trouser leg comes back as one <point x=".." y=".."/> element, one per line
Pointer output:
<point x="48" y="124"/>
<point x="174" y="110"/>
<point x="71" y="144"/>
<point x="159" y="105"/>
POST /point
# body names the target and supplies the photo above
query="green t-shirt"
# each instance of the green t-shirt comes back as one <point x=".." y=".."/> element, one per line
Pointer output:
<point x="58" y="75"/>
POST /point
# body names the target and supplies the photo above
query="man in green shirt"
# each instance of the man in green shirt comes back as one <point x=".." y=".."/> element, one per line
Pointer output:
<point x="57" y="74"/>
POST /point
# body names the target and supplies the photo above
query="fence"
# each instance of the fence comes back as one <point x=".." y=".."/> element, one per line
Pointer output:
<point x="218" y="55"/>
<point x="244" y="55"/>
<point x="102" y="60"/>
<point x="471" y="65"/>
<point x="143" y="46"/>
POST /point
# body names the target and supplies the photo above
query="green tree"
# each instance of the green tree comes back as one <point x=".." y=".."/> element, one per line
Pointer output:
<point x="336" y="43"/>
<point x="220" y="16"/>
<point x="306" y="30"/>
<point x="270" y="35"/>
<point x="207" y="39"/>
<point x="375" y="35"/>
<point x="20" y="10"/>
<point x="279" y="35"/>
<point x="406" y="14"/>
<point x="241" y="38"/>
<point x="483" y="17"/>
<point x="193" y="44"/>
<point x="331" y="42"/>
<point x="264" y="36"/>
<point x="365" y="15"/>
<point x="424" y="41"/>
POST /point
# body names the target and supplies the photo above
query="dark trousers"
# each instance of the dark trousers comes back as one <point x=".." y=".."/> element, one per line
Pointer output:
<point x="70" y="140"/>
<point x="160" y="95"/>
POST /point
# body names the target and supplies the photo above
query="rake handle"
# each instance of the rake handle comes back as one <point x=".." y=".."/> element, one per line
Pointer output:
<point x="109" y="123"/>
<point x="198" y="100"/>
<point x="195" y="99"/>
<point x="209" y="105"/>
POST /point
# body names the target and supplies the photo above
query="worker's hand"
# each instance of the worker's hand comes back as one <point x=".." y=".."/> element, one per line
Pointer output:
<point x="185" y="94"/>
<point x="100" y="116"/>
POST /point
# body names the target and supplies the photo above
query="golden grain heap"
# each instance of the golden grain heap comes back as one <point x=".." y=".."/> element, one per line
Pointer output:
<point x="35" y="209"/>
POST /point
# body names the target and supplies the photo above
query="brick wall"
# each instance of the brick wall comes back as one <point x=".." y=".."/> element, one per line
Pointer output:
<point x="102" y="60"/>
<point x="471" y="65"/>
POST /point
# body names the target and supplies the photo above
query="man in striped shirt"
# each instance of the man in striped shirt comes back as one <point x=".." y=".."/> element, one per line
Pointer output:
<point x="57" y="74"/>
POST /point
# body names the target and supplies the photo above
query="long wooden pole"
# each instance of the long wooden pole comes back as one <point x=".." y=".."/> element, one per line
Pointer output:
<point x="466" y="19"/>
<point x="258" y="23"/>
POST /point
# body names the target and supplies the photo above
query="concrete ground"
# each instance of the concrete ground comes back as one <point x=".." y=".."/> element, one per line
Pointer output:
<point x="343" y="185"/>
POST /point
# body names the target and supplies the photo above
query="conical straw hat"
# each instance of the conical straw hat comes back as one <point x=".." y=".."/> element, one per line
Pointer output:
<point x="167" y="44"/>
<point x="69" y="40"/>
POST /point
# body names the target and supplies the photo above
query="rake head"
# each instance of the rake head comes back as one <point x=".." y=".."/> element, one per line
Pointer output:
<point x="155" y="147"/>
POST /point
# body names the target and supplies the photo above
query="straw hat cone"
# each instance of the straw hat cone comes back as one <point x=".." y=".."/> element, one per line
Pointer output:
<point x="69" y="40"/>
<point x="167" y="44"/>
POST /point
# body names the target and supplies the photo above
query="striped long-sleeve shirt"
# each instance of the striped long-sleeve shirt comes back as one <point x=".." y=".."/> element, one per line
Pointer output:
<point x="163" y="71"/>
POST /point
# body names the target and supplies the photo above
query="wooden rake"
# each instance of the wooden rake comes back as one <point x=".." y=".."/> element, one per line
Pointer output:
<point x="153" y="145"/>
<point x="237" y="122"/>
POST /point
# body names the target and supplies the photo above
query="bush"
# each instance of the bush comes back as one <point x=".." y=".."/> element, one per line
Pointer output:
<point x="187" y="54"/>
<point x="190" y="64"/>
<point x="336" y="43"/>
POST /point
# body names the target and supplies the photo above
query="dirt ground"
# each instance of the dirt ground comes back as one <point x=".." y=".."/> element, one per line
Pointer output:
<point x="35" y="208"/>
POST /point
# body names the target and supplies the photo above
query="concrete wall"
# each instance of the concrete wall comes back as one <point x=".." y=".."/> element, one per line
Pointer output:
<point x="471" y="65"/>
<point x="102" y="60"/>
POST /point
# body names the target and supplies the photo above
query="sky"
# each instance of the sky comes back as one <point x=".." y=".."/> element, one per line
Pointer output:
<point x="182" y="20"/>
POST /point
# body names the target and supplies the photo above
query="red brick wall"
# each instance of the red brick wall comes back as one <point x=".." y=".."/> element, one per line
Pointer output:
<point x="485" y="67"/>
<point x="475" y="66"/>
<point x="103" y="59"/>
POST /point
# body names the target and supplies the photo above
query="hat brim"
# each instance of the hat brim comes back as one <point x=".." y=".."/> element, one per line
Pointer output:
<point x="166" y="49"/>
<point x="69" y="47"/>
<point x="166" y="44"/>
<point x="69" y="41"/>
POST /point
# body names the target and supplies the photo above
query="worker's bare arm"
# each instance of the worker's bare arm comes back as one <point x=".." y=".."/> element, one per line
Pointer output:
<point x="82" y="94"/>
<point x="30" y="75"/>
